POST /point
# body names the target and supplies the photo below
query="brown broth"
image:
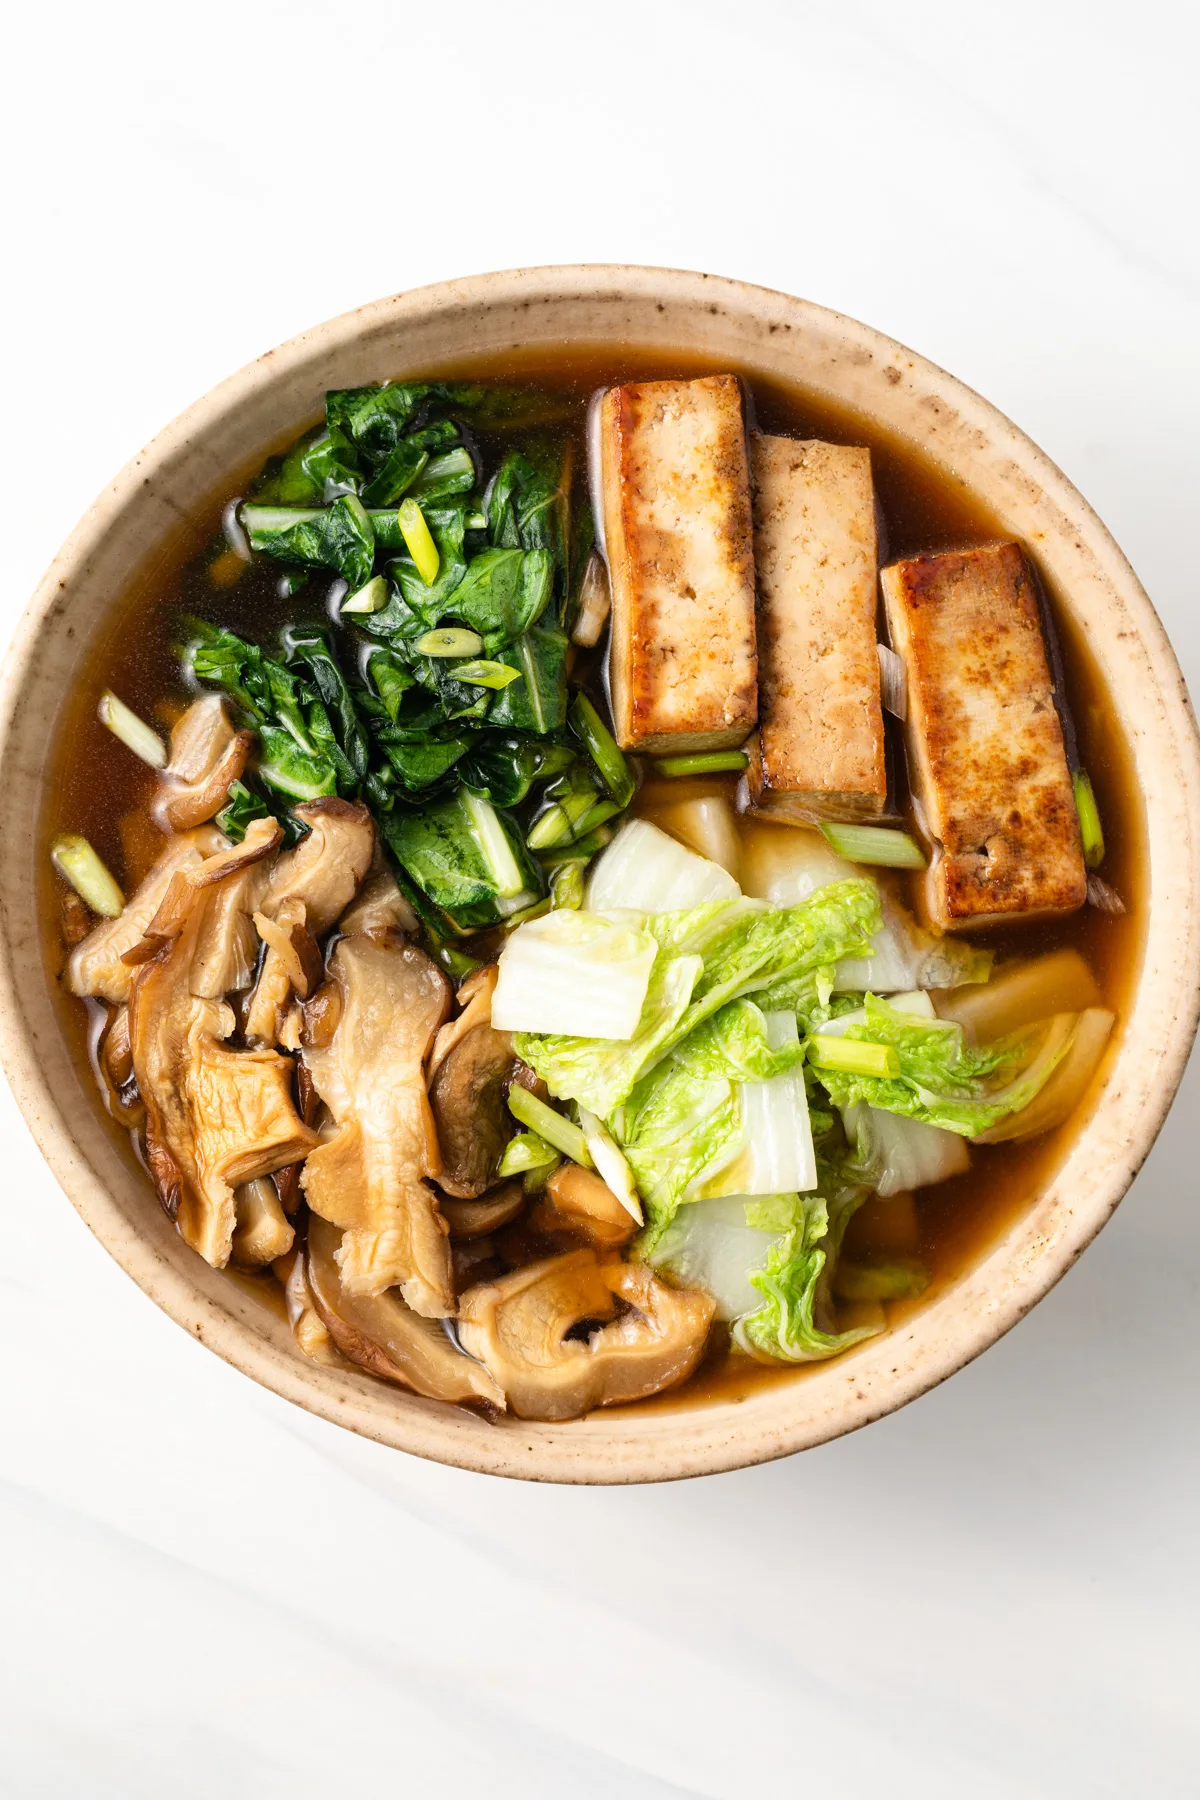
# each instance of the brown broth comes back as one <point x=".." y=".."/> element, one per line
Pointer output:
<point x="96" y="787"/>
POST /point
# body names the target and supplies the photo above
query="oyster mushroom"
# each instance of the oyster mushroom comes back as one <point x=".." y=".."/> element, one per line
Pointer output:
<point x="370" y="1176"/>
<point x="379" y="906"/>
<point x="469" y="1219"/>
<point x="96" y="968"/>
<point x="468" y="1100"/>
<point x="577" y="1200"/>
<point x="215" y="1117"/>
<point x="519" y="1328"/>
<point x="308" y="1327"/>
<point x="207" y="757"/>
<point x="382" y="1334"/>
<point x="312" y="886"/>
<point x="261" y="1234"/>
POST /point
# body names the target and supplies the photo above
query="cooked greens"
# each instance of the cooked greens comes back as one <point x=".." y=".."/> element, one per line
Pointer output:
<point x="440" y="696"/>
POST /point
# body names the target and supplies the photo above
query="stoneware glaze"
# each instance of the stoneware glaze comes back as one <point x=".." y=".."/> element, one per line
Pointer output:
<point x="136" y="522"/>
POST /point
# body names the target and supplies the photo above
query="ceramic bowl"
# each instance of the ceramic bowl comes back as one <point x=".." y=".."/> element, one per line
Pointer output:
<point x="185" y="470"/>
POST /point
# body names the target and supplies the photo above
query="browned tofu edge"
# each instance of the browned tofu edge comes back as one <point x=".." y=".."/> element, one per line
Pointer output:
<point x="992" y="865"/>
<point x="631" y="672"/>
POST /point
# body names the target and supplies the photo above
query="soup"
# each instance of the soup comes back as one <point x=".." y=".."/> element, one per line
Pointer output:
<point x="539" y="970"/>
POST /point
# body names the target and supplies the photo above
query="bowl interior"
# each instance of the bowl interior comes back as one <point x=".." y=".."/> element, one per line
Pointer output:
<point x="136" y="526"/>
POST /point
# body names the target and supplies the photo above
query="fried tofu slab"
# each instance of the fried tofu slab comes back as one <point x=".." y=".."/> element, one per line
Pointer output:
<point x="676" y="504"/>
<point x="985" y="747"/>
<point x="819" y="753"/>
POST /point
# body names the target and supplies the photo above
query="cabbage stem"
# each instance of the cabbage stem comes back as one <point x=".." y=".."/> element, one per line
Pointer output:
<point x="850" y="1057"/>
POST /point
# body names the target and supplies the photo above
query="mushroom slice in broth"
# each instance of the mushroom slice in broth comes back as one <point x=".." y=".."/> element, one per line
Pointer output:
<point x="382" y="1334"/>
<point x="519" y="1327"/>
<point x="207" y="757"/>
<point x="371" y="1177"/>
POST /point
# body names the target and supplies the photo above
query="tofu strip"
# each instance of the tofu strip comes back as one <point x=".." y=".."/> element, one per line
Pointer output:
<point x="985" y="747"/>
<point x="819" y="753"/>
<point x="676" y="503"/>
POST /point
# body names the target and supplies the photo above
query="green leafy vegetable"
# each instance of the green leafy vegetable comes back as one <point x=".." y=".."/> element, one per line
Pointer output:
<point x="706" y="957"/>
<point x="794" y="1322"/>
<point x="464" y="857"/>
<point x="942" y="1081"/>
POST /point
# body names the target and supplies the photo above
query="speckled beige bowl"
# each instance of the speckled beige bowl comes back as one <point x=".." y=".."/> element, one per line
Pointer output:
<point x="185" y="469"/>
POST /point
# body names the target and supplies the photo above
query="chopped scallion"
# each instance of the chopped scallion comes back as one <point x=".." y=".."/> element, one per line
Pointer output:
<point x="602" y="747"/>
<point x="526" y="1151"/>
<point x="1090" y="828"/>
<point x="557" y="824"/>
<point x="877" y="844"/>
<point x="476" y="521"/>
<point x="486" y="674"/>
<point x="455" y="962"/>
<point x="449" y="640"/>
<point x="850" y="1057"/>
<point x="78" y="864"/>
<point x="548" y="1124"/>
<point x="419" y="543"/>
<point x="133" y="732"/>
<point x="704" y="762"/>
<point x="370" y="598"/>
<point x="599" y="815"/>
<point x="582" y="850"/>
<point x="566" y="887"/>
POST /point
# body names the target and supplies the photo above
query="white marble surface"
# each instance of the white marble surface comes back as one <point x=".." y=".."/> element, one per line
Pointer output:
<point x="991" y="1594"/>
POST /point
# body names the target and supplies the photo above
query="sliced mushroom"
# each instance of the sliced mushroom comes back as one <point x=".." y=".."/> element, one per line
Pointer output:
<point x="382" y="1334"/>
<point x="261" y="840"/>
<point x="215" y="1117"/>
<point x="262" y="1234"/>
<point x="379" y="906"/>
<point x="474" y="1218"/>
<point x="370" y="1176"/>
<point x="96" y="968"/>
<point x="115" y="1062"/>
<point x="287" y="934"/>
<point x="577" y="1200"/>
<point x="207" y="757"/>
<point x="474" y="999"/>
<point x="308" y="1327"/>
<point x="519" y="1328"/>
<point x="470" y="1111"/>
<point x="322" y="875"/>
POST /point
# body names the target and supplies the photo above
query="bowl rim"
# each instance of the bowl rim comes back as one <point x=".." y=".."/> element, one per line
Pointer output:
<point x="645" y="1444"/>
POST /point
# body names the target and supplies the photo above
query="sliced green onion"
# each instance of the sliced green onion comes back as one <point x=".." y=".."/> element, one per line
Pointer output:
<point x="455" y="962"/>
<point x="133" y="732"/>
<point x="849" y="1057"/>
<point x="420" y="544"/>
<point x="557" y="824"/>
<point x="705" y="762"/>
<point x="476" y="521"/>
<point x="602" y="747"/>
<point x="449" y="640"/>
<point x="78" y="863"/>
<point x="902" y="1279"/>
<point x="599" y="815"/>
<point x="536" y="911"/>
<point x="548" y="1124"/>
<point x="876" y="844"/>
<point x="1090" y="828"/>
<point x="582" y="850"/>
<point x="524" y="1152"/>
<point x="370" y="598"/>
<point x="566" y="887"/>
<point x="486" y="674"/>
